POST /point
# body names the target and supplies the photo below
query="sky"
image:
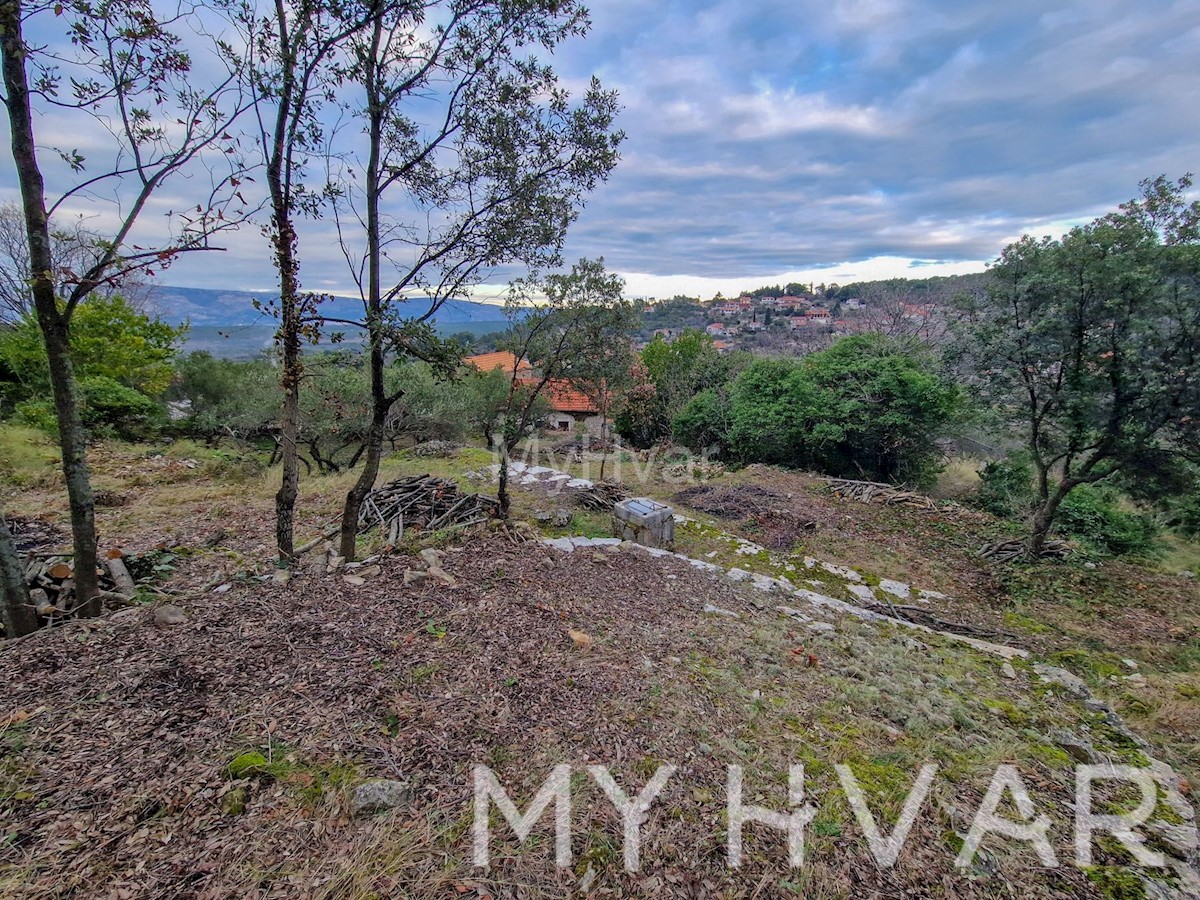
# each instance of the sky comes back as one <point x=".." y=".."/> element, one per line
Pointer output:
<point x="844" y="140"/>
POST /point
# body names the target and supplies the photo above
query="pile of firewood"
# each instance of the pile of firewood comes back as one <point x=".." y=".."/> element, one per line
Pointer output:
<point x="422" y="501"/>
<point x="874" y="492"/>
<point x="51" y="581"/>
<point x="1003" y="551"/>
<point x="602" y="496"/>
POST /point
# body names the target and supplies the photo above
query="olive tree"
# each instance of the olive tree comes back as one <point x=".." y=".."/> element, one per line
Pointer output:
<point x="462" y="153"/>
<point x="560" y="325"/>
<point x="1090" y="344"/>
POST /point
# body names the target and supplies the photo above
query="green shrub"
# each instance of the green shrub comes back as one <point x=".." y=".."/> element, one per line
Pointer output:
<point x="37" y="413"/>
<point x="1006" y="487"/>
<point x="704" y="421"/>
<point x="867" y="407"/>
<point x="110" y="406"/>
<point x="1093" y="515"/>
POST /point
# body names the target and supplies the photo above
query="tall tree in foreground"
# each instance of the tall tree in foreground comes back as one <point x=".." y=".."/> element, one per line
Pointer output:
<point x="1090" y="344"/>
<point x="16" y="608"/>
<point x="294" y="69"/>
<point x="483" y="151"/>
<point x="128" y="76"/>
<point x="557" y="325"/>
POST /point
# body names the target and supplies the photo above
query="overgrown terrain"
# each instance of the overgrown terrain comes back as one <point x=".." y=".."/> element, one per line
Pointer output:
<point x="119" y="734"/>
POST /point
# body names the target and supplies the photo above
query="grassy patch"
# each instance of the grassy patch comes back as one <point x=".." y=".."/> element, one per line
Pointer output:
<point x="307" y="780"/>
<point x="28" y="457"/>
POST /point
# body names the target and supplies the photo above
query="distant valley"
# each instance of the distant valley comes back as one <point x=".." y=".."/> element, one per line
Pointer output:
<point x="227" y="324"/>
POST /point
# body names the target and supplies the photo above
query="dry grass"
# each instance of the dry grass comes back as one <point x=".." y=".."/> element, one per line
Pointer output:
<point x="426" y="680"/>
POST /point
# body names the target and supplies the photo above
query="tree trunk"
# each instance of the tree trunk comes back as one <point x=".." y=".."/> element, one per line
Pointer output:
<point x="284" y="237"/>
<point x="373" y="447"/>
<point x="372" y="453"/>
<point x="1043" y="520"/>
<point x="17" y="612"/>
<point x="502" y="484"/>
<point x="603" y="441"/>
<point x="54" y="323"/>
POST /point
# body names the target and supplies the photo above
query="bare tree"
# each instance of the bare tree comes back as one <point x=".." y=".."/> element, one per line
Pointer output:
<point x="128" y="73"/>
<point x="294" y="69"/>
<point x="72" y="247"/>
<point x="484" y="150"/>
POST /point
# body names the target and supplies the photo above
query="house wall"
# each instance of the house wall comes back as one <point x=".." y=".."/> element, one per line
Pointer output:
<point x="566" y="422"/>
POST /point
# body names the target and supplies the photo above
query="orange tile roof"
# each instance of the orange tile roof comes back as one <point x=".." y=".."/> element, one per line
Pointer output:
<point x="501" y="359"/>
<point x="563" y="397"/>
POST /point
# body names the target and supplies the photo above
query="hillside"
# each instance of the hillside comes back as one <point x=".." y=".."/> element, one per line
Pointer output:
<point x="227" y="324"/>
<point x="773" y="641"/>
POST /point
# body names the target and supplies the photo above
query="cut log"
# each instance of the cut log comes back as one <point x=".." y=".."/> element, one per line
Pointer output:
<point x="120" y="576"/>
<point x="60" y="571"/>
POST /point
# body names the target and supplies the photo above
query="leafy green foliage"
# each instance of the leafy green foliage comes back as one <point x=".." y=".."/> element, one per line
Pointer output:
<point x="673" y="372"/>
<point x="704" y="421"/>
<point x="1089" y="345"/>
<point x="122" y="360"/>
<point x="1094" y="515"/>
<point x="236" y="398"/>
<point x="1006" y="486"/>
<point x="109" y="339"/>
<point x="109" y="406"/>
<point x="866" y="407"/>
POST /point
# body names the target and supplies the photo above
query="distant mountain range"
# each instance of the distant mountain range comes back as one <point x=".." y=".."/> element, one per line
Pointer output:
<point x="208" y="307"/>
<point x="226" y="324"/>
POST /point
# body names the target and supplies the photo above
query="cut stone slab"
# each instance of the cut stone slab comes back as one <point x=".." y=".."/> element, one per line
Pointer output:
<point x="644" y="521"/>
<point x="1072" y="682"/>
<point x="861" y="591"/>
<point x="841" y="606"/>
<point x="771" y="585"/>
<point x="1076" y="747"/>
<point x="379" y="796"/>
<point x="793" y="613"/>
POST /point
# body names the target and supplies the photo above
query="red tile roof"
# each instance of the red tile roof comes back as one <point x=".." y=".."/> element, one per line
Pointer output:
<point x="563" y="397"/>
<point x="501" y="359"/>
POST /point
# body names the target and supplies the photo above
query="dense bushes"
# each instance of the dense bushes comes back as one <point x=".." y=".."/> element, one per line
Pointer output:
<point x="122" y="359"/>
<point x="1093" y="514"/>
<point x="867" y="407"/>
<point x="1006" y="487"/>
<point x="240" y="400"/>
<point x="671" y="374"/>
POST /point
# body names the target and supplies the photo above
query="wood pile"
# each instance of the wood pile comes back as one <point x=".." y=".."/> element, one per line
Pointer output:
<point x="874" y="492"/>
<point x="422" y="501"/>
<point x="51" y="580"/>
<point x="1003" y="551"/>
<point x="602" y="496"/>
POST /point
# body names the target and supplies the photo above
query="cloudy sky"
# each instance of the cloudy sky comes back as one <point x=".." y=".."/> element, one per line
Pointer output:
<point x="836" y="140"/>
